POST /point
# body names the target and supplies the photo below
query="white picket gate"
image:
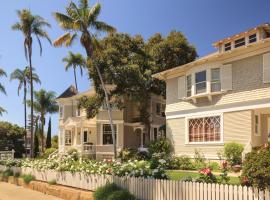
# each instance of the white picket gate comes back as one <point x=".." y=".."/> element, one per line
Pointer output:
<point x="151" y="189"/>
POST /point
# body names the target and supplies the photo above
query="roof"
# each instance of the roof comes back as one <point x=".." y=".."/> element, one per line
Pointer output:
<point x="69" y="92"/>
<point x="265" y="26"/>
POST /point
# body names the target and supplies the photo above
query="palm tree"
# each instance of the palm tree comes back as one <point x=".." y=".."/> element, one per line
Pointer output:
<point x="31" y="25"/>
<point x="74" y="61"/>
<point x="43" y="104"/>
<point x="2" y="89"/>
<point x="83" y="19"/>
<point x="23" y="76"/>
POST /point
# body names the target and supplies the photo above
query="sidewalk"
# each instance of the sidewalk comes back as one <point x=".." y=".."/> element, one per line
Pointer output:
<point x="13" y="192"/>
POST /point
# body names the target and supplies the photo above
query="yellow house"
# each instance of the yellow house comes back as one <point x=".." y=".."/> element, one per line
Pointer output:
<point x="93" y="137"/>
<point x="221" y="97"/>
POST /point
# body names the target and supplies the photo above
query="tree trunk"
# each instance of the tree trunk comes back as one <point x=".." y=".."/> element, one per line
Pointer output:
<point x="29" y="45"/>
<point x="75" y="77"/>
<point x="25" y="114"/>
<point x="42" y="132"/>
<point x="85" y="40"/>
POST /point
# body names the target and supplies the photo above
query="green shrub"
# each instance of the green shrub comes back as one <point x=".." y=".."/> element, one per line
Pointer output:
<point x="256" y="168"/>
<point x="48" y="152"/>
<point x="104" y="192"/>
<point x="233" y="153"/>
<point x="127" y="154"/>
<point x="161" y="145"/>
<point x="8" y="172"/>
<point x="214" y="166"/>
<point x="181" y="162"/>
<point x="52" y="182"/>
<point x="74" y="153"/>
<point x="121" y="195"/>
<point x="17" y="174"/>
<point x="27" y="178"/>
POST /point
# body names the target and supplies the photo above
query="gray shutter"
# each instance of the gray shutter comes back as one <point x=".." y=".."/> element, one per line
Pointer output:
<point x="226" y="77"/>
<point x="181" y="87"/>
<point x="266" y="68"/>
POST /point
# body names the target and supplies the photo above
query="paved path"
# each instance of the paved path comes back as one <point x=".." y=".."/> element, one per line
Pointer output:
<point x="13" y="192"/>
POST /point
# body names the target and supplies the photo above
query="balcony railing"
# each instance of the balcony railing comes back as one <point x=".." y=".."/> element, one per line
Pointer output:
<point x="89" y="149"/>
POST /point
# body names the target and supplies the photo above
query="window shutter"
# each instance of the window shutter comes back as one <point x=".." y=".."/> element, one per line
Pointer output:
<point x="181" y="87"/>
<point x="266" y="68"/>
<point x="226" y="77"/>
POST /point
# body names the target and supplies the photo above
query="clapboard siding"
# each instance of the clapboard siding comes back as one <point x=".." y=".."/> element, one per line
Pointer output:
<point x="237" y="126"/>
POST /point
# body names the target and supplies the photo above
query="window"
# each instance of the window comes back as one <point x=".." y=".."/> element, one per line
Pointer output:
<point x="107" y="133"/>
<point x="160" y="109"/>
<point x="227" y="46"/>
<point x="155" y="136"/>
<point x="240" y="42"/>
<point x="200" y="80"/>
<point x="61" y="112"/>
<point x="78" y="112"/>
<point x="68" y="138"/>
<point x="252" y="38"/>
<point x="85" y="137"/>
<point x="215" y="80"/>
<point x="205" y="129"/>
<point x="257" y="125"/>
<point x="189" y="84"/>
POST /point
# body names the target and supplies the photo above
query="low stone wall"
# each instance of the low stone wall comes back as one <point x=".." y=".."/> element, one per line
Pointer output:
<point x="60" y="191"/>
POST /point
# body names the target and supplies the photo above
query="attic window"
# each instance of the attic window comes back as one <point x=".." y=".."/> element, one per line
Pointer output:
<point x="227" y="46"/>
<point x="240" y="42"/>
<point x="252" y="38"/>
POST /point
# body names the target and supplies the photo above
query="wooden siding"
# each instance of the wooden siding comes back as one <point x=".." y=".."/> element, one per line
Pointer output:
<point x="237" y="126"/>
<point x="247" y="83"/>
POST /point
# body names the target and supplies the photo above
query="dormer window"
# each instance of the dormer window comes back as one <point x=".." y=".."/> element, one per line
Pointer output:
<point x="240" y="42"/>
<point x="252" y="38"/>
<point x="215" y="80"/>
<point x="189" y="85"/>
<point x="227" y="46"/>
<point x="200" y="82"/>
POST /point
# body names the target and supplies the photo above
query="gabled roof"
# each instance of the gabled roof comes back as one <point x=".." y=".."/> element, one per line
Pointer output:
<point x="69" y="92"/>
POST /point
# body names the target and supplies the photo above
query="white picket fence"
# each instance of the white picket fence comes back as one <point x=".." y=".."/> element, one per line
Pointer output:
<point x="151" y="189"/>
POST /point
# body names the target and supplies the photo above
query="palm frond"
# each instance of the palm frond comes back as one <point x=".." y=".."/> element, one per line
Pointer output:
<point x="93" y="13"/>
<point x="62" y="40"/>
<point x="2" y="89"/>
<point x="70" y="41"/>
<point x="102" y="26"/>
<point x="2" y="73"/>
<point x="64" y="21"/>
<point x="2" y="110"/>
<point x="83" y="4"/>
<point x="17" y="26"/>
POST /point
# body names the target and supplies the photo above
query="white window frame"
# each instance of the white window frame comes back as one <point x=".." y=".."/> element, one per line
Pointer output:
<point x="70" y="133"/>
<point x="228" y="47"/>
<point x="221" y="142"/>
<point x="195" y="84"/>
<point x="101" y="134"/>
<point x="258" y="125"/>
<point x="215" y="81"/>
<point x="252" y="38"/>
<point x="61" y="116"/>
<point x="244" y="42"/>
<point x="187" y="88"/>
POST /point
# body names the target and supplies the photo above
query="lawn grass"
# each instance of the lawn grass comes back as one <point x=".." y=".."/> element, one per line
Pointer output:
<point x="178" y="175"/>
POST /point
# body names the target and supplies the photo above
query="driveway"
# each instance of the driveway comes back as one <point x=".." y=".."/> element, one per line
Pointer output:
<point x="13" y="192"/>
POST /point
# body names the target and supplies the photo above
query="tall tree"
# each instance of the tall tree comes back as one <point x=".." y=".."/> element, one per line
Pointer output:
<point x="49" y="135"/>
<point x="43" y="104"/>
<point x="73" y="61"/>
<point x="2" y="89"/>
<point x="36" y="140"/>
<point x="23" y="77"/>
<point x="83" y="19"/>
<point x="30" y="25"/>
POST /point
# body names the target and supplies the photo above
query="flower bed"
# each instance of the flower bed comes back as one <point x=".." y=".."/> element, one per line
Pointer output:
<point x="70" y="163"/>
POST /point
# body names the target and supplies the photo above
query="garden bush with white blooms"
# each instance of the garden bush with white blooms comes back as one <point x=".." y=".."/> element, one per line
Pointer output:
<point x="71" y="163"/>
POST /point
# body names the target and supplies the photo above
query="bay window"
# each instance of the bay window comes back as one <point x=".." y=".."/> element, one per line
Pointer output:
<point x="107" y="134"/>
<point x="200" y="82"/>
<point x="204" y="129"/>
<point x="215" y="80"/>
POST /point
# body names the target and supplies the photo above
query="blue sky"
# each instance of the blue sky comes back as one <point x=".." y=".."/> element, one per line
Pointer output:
<point x="203" y="22"/>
